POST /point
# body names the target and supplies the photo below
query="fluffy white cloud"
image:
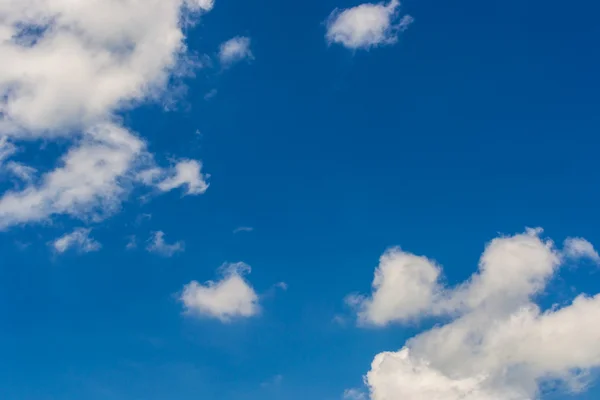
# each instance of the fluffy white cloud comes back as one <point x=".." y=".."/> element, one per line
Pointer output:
<point x="73" y="64"/>
<point x="228" y="298"/>
<point x="70" y="68"/>
<point x="367" y="25"/>
<point x="79" y="240"/>
<point x="415" y="276"/>
<point x="577" y="248"/>
<point x="234" y="50"/>
<point x="158" y="245"/>
<point x="186" y="173"/>
<point x="498" y="344"/>
<point x="89" y="183"/>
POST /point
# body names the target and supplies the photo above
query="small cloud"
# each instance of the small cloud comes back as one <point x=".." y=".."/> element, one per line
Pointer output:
<point x="186" y="173"/>
<point x="243" y="229"/>
<point x="282" y="285"/>
<point x="158" y="245"/>
<point x="354" y="394"/>
<point x="22" y="246"/>
<point x="274" y="381"/>
<point x="230" y="297"/>
<point x="79" y="240"/>
<point x="366" y="25"/>
<point x="339" y="320"/>
<point x="21" y="171"/>
<point x="7" y="149"/>
<point x="235" y="50"/>
<point x="131" y="242"/>
<point x="579" y="248"/>
<point x="212" y="93"/>
<point x="142" y="218"/>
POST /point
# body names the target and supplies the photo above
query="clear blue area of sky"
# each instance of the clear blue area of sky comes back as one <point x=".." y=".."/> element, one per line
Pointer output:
<point x="482" y="119"/>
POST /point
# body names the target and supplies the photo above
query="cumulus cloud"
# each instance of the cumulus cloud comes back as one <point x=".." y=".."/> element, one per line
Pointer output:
<point x="230" y="297"/>
<point x="71" y="68"/>
<point x="158" y="245"/>
<point x="186" y="173"/>
<point x="79" y="240"/>
<point x="367" y="25"/>
<point x="74" y="65"/>
<point x="417" y="276"/>
<point x="497" y="344"/>
<point x="90" y="181"/>
<point x="234" y="50"/>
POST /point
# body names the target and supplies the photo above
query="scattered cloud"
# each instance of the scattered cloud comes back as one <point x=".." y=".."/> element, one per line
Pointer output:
<point x="228" y="298"/>
<point x="70" y="70"/>
<point x="22" y="172"/>
<point x="354" y="394"/>
<point x="78" y="240"/>
<point x="497" y="344"/>
<point x="131" y="242"/>
<point x="243" y="229"/>
<point x="578" y="248"/>
<point x="234" y="50"/>
<point x="7" y="149"/>
<point x="186" y="173"/>
<point x="157" y="244"/>
<point x="282" y="285"/>
<point x="366" y="25"/>
<point x="90" y="183"/>
<point x="70" y="75"/>
<point x="210" y="94"/>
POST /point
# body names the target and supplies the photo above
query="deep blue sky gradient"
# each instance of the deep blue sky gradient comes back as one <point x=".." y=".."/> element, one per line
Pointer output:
<point x="482" y="119"/>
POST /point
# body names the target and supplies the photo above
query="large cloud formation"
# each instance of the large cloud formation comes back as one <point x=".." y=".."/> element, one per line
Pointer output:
<point x="69" y="68"/>
<point x="498" y="344"/>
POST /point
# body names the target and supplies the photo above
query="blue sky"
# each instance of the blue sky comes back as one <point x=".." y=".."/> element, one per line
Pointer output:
<point x="138" y="139"/>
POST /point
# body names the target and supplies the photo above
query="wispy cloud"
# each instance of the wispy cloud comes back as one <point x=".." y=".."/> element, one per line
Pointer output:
<point x="243" y="229"/>
<point x="78" y="240"/>
<point x="158" y="245"/>
<point x="210" y="94"/>
<point x="235" y="50"/>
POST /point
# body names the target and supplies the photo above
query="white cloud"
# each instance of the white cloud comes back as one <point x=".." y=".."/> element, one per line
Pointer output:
<point x="577" y="248"/>
<point x="498" y="344"/>
<point x="23" y="172"/>
<point x="186" y="173"/>
<point x="158" y="245"/>
<point x="416" y="276"/>
<point x="79" y="240"/>
<point x="7" y="149"/>
<point x="70" y="69"/>
<point x="90" y="182"/>
<point x="231" y="297"/>
<point x="234" y="50"/>
<point x="69" y="74"/>
<point x="366" y="25"/>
